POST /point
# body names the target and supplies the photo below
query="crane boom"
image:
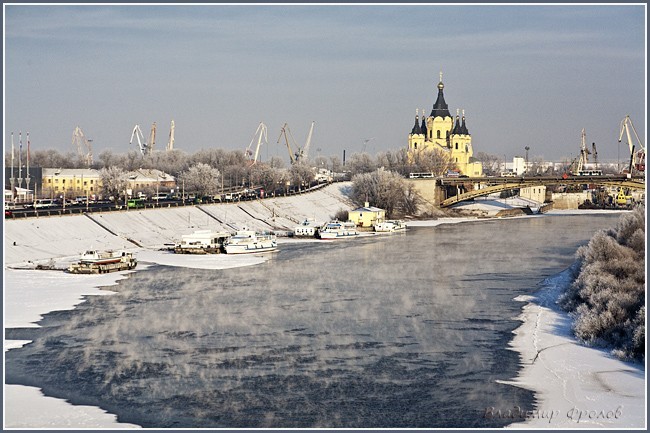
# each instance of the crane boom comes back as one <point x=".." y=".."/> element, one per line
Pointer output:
<point x="283" y="131"/>
<point x="636" y="160"/>
<point x="137" y="133"/>
<point x="305" y="150"/>
<point x="84" y="148"/>
<point x="170" y="143"/>
<point x="595" y="153"/>
<point x="152" y="139"/>
<point x="301" y="152"/>
<point x="260" y="133"/>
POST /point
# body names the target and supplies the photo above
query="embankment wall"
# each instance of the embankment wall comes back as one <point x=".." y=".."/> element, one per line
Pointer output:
<point x="43" y="238"/>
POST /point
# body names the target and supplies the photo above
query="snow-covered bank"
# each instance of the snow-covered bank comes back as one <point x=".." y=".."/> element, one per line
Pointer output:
<point x="576" y="386"/>
<point x="28" y="295"/>
<point x="41" y="239"/>
<point x="26" y="407"/>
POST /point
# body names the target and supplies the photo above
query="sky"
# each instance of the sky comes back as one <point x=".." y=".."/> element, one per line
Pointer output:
<point x="526" y="75"/>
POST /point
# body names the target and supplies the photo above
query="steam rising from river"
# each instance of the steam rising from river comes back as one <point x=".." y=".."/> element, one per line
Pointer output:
<point x="406" y="330"/>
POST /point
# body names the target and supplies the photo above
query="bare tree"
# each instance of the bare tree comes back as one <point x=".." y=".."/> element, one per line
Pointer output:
<point x="434" y="161"/>
<point x="491" y="163"/>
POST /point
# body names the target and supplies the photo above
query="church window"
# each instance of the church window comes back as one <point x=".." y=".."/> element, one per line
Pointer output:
<point x="438" y="133"/>
<point x="456" y="146"/>
<point x="415" y="145"/>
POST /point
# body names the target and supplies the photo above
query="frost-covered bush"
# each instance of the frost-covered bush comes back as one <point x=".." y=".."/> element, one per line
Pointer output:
<point x="607" y="296"/>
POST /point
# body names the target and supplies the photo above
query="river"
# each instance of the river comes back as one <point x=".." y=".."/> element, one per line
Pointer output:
<point x="404" y="330"/>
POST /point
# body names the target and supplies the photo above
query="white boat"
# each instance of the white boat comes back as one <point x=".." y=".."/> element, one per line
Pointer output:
<point x="202" y="242"/>
<point x="99" y="262"/>
<point x="248" y="241"/>
<point x="337" y="230"/>
<point x="390" y="226"/>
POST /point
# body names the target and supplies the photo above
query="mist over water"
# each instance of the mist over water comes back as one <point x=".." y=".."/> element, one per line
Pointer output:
<point x="406" y="330"/>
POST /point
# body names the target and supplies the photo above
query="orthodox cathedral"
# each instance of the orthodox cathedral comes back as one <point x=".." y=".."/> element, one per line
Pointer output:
<point x="440" y="131"/>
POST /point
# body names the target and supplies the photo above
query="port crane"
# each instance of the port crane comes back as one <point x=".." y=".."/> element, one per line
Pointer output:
<point x="137" y="134"/>
<point x="152" y="139"/>
<point x="170" y="143"/>
<point x="260" y="133"/>
<point x="594" y="152"/>
<point x="83" y="145"/>
<point x="637" y="160"/>
<point x="301" y="153"/>
<point x="304" y="152"/>
<point x="577" y="165"/>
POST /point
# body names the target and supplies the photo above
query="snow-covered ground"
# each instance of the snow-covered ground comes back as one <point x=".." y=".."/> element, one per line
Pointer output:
<point x="28" y="295"/>
<point x="569" y="373"/>
<point x="576" y="386"/>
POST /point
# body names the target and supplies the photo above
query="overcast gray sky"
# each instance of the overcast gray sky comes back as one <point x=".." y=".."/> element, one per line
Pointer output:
<point x="525" y="75"/>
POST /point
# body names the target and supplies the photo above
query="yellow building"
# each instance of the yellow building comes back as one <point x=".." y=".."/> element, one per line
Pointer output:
<point x="70" y="182"/>
<point x="440" y="131"/>
<point x="367" y="216"/>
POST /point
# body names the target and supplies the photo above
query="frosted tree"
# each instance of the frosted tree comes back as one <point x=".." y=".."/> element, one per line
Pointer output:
<point x="361" y="163"/>
<point x="114" y="182"/>
<point x="387" y="190"/>
<point x="201" y="179"/>
<point x="301" y="175"/>
<point x="608" y="294"/>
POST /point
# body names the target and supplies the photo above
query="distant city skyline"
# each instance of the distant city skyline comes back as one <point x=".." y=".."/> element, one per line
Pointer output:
<point x="526" y="75"/>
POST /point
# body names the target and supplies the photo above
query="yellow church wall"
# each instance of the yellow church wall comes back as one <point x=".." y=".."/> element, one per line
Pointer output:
<point x="439" y="129"/>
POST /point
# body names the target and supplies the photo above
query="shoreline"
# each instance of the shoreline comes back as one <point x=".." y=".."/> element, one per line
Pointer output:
<point x="575" y="386"/>
<point x="66" y="412"/>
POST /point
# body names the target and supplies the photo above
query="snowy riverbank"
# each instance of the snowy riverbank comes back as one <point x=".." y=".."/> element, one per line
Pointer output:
<point x="31" y="294"/>
<point x="576" y="386"/>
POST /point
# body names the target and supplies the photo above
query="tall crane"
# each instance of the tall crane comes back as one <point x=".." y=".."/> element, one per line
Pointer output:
<point x="285" y="129"/>
<point x="142" y="145"/>
<point x="83" y="144"/>
<point x="577" y="165"/>
<point x="152" y="139"/>
<point x="260" y="133"/>
<point x="302" y="152"/>
<point x="594" y="152"/>
<point x="170" y="143"/>
<point x="637" y="160"/>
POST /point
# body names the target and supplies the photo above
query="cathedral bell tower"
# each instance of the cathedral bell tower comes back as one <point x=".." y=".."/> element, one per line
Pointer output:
<point x="440" y="122"/>
<point x="416" y="137"/>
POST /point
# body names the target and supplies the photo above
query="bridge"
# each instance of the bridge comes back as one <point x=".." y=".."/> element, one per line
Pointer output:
<point x="490" y="185"/>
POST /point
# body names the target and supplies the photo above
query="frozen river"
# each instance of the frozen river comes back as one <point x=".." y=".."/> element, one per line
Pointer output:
<point x="406" y="330"/>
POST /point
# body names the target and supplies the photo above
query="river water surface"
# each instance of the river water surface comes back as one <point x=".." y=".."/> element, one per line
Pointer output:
<point x="407" y="330"/>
